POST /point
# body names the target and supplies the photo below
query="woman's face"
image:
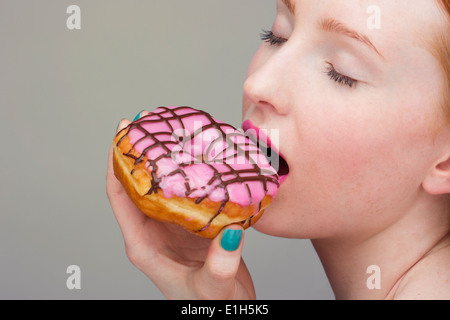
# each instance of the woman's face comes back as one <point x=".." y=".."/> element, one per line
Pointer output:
<point x="353" y="89"/>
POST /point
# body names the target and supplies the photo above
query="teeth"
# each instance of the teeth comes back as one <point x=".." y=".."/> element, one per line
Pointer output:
<point x="276" y="161"/>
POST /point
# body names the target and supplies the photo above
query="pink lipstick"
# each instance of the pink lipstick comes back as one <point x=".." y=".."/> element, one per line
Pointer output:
<point x="273" y="155"/>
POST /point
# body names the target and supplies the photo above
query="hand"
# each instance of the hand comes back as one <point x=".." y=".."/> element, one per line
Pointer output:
<point x="182" y="265"/>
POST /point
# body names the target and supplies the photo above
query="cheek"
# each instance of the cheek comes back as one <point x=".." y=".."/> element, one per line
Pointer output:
<point x="349" y="174"/>
<point x="371" y="164"/>
<point x="337" y="147"/>
<point x="339" y="150"/>
<point x="383" y="136"/>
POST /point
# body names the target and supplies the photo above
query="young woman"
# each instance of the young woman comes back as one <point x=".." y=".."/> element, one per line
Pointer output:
<point x="359" y="91"/>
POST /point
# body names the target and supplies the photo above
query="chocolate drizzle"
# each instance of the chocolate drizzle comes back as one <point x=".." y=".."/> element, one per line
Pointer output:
<point x="219" y="179"/>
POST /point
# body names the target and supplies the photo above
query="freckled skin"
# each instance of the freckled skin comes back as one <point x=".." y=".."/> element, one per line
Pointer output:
<point x="368" y="181"/>
<point x="350" y="150"/>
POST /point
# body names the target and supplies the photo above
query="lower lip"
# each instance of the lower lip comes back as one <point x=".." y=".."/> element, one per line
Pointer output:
<point x="282" y="178"/>
<point x="248" y="125"/>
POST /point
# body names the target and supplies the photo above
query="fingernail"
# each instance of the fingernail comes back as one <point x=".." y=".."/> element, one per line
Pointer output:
<point x="118" y="125"/>
<point x="231" y="239"/>
<point x="137" y="116"/>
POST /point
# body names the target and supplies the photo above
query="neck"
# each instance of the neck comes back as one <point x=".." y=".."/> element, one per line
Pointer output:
<point x="356" y="265"/>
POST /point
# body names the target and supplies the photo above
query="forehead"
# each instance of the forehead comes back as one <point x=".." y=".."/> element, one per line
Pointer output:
<point x="390" y="24"/>
<point x="407" y="24"/>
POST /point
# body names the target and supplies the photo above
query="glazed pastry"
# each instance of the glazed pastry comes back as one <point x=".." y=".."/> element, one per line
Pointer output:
<point x="181" y="165"/>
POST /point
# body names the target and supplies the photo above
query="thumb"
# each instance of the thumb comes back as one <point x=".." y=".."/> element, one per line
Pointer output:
<point x="217" y="277"/>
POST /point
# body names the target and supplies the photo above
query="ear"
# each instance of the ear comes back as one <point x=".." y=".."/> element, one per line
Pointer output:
<point x="438" y="179"/>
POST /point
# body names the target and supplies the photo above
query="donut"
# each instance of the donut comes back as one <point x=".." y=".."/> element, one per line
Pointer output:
<point x="180" y="165"/>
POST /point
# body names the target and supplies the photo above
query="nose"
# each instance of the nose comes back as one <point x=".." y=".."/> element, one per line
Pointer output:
<point x="266" y="85"/>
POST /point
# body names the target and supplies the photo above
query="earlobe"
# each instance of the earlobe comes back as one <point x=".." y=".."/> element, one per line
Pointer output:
<point x="438" y="179"/>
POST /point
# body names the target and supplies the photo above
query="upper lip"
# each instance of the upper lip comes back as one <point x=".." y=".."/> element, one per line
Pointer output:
<point x="264" y="142"/>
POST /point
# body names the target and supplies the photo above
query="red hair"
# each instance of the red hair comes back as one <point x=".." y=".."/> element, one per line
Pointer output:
<point x="442" y="49"/>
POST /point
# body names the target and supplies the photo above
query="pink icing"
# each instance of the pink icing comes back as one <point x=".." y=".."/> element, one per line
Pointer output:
<point x="200" y="157"/>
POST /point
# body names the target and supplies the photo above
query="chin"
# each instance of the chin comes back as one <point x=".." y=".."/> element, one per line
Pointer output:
<point x="279" y="220"/>
<point x="290" y="216"/>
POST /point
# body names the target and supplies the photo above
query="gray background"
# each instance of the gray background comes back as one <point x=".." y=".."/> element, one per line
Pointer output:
<point x="62" y="95"/>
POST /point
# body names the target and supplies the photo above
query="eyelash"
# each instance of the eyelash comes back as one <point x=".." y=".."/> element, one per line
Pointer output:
<point x="273" y="40"/>
<point x="340" y="78"/>
<point x="270" y="38"/>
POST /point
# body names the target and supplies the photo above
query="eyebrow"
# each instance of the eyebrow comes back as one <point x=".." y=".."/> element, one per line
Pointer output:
<point x="333" y="25"/>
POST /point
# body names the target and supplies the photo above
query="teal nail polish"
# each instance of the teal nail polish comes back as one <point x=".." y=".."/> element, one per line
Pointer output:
<point x="231" y="239"/>
<point x="137" y="116"/>
<point x="118" y="124"/>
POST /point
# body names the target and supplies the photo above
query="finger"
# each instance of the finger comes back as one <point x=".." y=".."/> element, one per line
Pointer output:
<point x="217" y="278"/>
<point x="129" y="217"/>
<point x="141" y="114"/>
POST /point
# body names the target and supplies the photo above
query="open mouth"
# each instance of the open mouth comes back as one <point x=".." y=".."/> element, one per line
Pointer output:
<point x="275" y="158"/>
<point x="282" y="166"/>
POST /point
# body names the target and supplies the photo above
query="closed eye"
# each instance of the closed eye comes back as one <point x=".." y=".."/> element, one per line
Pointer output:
<point x="340" y="78"/>
<point x="273" y="40"/>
